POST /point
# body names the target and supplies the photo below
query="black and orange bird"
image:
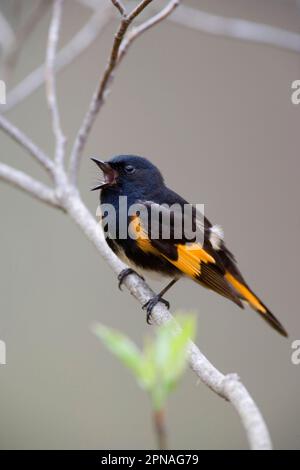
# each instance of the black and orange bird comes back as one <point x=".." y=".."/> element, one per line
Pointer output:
<point x="176" y="255"/>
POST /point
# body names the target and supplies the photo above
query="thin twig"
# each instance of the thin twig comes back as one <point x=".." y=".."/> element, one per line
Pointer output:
<point x="160" y="428"/>
<point x="100" y="93"/>
<point x="137" y="10"/>
<point x="138" y="30"/>
<point x="28" y="184"/>
<point x="51" y="82"/>
<point x="114" y="55"/>
<point x="235" y="28"/>
<point x="22" y="139"/>
<point x="119" y="5"/>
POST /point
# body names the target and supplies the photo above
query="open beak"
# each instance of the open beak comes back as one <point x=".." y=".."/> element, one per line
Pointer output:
<point x="110" y="175"/>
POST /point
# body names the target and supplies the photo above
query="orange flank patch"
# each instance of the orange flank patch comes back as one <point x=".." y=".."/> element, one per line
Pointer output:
<point x="245" y="292"/>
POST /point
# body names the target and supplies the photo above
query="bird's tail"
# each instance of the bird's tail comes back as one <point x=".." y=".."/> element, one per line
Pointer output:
<point x="247" y="295"/>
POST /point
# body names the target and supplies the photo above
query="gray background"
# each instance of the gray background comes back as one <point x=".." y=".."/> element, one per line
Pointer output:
<point x="215" y="115"/>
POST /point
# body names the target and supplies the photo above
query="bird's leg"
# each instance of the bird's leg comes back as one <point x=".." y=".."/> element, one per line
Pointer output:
<point x="158" y="298"/>
<point x="124" y="273"/>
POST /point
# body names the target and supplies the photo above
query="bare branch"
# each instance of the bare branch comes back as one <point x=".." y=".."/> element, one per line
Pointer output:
<point x="236" y="28"/>
<point x="100" y="93"/>
<point x="22" y="139"/>
<point x="119" y="36"/>
<point x="137" y="31"/>
<point x="31" y="186"/>
<point x="51" y="83"/>
<point x="227" y="386"/>
<point x="119" y="5"/>
<point x="251" y="418"/>
<point x="137" y="10"/>
<point x="77" y="45"/>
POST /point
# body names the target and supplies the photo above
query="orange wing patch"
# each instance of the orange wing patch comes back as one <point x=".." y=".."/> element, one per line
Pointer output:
<point x="190" y="258"/>
<point x="245" y="293"/>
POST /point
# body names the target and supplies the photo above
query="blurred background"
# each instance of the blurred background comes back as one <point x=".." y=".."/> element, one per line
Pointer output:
<point x="215" y="114"/>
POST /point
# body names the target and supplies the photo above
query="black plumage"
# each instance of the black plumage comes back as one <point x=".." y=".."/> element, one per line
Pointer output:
<point x="209" y="263"/>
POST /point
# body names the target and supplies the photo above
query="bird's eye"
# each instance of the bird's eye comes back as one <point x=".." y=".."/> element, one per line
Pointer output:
<point x="129" y="169"/>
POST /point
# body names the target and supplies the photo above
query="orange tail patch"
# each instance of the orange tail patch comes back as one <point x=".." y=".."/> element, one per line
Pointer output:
<point x="255" y="303"/>
<point x="245" y="293"/>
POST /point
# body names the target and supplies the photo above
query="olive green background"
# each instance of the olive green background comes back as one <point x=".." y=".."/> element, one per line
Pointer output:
<point x="216" y="116"/>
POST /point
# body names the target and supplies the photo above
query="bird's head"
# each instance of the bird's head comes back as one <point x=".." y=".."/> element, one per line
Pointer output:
<point x="129" y="173"/>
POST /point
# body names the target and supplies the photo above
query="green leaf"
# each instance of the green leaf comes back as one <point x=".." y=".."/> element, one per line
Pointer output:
<point x="163" y="360"/>
<point x="171" y="349"/>
<point x="148" y="374"/>
<point x="122" y="347"/>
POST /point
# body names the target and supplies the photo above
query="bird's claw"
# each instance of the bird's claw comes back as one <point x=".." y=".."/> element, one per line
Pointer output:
<point x="123" y="274"/>
<point x="149" y="306"/>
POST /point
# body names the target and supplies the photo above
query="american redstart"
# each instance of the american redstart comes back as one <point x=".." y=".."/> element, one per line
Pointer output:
<point x="198" y="253"/>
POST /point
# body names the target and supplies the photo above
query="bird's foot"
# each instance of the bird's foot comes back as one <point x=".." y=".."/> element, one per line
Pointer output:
<point x="149" y="306"/>
<point x="123" y="274"/>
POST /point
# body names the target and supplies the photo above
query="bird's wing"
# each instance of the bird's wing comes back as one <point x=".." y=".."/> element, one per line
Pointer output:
<point x="156" y="230"/>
